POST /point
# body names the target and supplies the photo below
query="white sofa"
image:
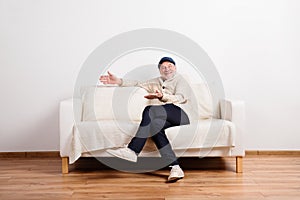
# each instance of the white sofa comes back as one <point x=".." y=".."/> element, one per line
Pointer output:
<point x="106" y="117"/>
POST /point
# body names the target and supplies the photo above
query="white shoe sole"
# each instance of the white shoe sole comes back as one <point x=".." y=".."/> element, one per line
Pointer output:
<point x="174" y="179"/>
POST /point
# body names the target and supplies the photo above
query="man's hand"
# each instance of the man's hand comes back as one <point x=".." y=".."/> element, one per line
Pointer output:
<point x="156" y="95"/>
<point x="110" y="79"/>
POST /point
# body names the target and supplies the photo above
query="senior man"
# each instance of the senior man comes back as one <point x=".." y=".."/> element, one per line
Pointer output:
<point x="173" y="94"/>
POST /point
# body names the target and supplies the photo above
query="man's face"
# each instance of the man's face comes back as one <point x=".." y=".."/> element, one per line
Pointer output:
<point x="167" y="70"/>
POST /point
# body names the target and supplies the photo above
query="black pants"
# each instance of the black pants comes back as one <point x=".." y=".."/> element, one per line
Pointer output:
<point x="155" y="120"/>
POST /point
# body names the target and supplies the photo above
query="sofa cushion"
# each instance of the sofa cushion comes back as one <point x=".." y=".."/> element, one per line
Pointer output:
<point x="107" y="102"/>
<point x="127" y="103"/>
<point x="209" y="133"/>
<point x="202" y="96"/>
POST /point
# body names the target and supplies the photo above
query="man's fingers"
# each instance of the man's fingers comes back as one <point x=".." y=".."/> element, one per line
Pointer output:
<point x="104" y="79"/>
<point x="158" y="94"/>
<point x="109" y="73"/>
<point x="109" y="79"/>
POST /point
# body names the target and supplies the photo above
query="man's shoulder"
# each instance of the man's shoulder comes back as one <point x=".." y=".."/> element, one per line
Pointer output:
<point x="156" y="80"/>
<point x="178" y="77"/>
<point x="183" y="77"/>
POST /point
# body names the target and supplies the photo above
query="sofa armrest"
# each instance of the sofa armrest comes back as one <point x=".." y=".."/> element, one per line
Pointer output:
<point x="234" y="111"/>
<point x="70" y="112"/>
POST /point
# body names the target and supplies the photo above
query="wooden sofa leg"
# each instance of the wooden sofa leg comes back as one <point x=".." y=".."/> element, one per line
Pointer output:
<point x="65" y="165"/>
<point x="239" y="164"/>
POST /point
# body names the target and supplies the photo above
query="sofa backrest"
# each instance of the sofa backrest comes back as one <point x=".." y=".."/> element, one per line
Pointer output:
<point x="127" y="103"/>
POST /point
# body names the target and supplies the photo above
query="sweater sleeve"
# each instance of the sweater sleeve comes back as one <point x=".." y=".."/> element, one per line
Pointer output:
<point x="147" y="85"/>
<point x="130" y="83"/>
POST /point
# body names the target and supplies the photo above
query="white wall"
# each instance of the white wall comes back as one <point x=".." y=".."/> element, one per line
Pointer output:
<point x="254" y="44"/>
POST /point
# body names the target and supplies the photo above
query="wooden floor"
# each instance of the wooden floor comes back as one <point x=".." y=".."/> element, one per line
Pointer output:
<point x="264" y="177"/>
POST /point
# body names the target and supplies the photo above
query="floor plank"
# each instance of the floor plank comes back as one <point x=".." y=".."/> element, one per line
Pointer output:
<point x="265" y="177"/>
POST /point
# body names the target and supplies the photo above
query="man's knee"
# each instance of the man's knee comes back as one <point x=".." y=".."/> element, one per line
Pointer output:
<point x="157" y="125"/>
<point x="157" y="112"/>
<point x="154" y="111"/>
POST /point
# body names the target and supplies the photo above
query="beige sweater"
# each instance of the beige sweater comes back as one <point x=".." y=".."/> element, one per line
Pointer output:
<point x="175" y="90"/>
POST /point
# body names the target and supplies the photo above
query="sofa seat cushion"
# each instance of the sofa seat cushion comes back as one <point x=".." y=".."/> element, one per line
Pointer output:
<point x="207" y="133"/>
<point x="95" y="135"/>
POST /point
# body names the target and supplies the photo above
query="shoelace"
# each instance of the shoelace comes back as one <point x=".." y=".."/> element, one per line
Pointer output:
<point x="175" y="169"/>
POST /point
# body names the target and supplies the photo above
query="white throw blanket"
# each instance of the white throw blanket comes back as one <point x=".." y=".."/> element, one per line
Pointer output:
<point x="90" y="136"/>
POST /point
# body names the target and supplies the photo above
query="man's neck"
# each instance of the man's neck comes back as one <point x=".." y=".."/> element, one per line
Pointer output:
<point x="165" y="79"/>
